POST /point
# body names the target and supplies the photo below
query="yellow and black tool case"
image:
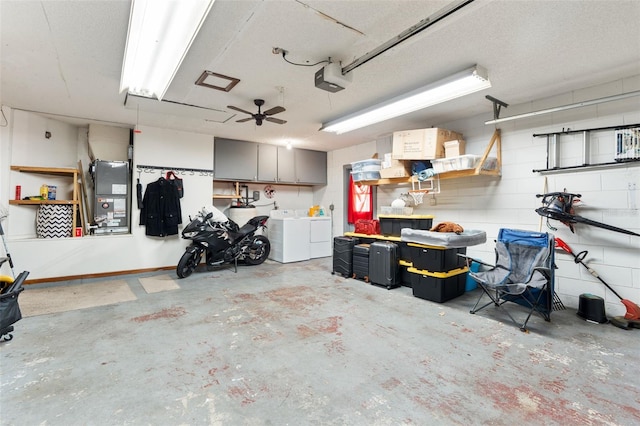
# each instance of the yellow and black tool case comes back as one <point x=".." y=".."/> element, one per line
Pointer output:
<point x="438" y="286"/>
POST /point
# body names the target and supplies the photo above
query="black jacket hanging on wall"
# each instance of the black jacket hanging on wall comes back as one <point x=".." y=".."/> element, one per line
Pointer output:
<point x="161" y="213"/>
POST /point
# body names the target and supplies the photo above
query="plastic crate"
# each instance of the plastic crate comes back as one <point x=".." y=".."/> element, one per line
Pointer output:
<point x="405" y="251"/>
<point x="436" y="259"/>
<point x="406" y="277"/>
<point x="391" y="225"/>
<point x="462" y="162"/>
<point x="438" y="286"/>
<point x="370" y="165"/>
<point x="405" y="211"/>
<point x="358" y="176"/>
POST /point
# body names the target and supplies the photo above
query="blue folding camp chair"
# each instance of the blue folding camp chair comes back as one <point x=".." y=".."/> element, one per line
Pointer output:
<point x="523" y="274"/>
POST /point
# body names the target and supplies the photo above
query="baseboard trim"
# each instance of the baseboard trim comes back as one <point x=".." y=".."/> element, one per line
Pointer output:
<point x="100" y="275"/>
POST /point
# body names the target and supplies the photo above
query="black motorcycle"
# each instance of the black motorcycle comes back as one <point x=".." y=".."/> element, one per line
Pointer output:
<point x="223" y="243"/>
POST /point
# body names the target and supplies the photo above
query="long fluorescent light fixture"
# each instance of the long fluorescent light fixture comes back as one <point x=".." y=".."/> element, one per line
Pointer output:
<point x="159" y="37"/>
<point x="459" y="84"/>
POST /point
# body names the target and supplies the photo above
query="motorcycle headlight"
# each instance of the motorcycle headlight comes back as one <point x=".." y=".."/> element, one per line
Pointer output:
<point x="190" y="234"/>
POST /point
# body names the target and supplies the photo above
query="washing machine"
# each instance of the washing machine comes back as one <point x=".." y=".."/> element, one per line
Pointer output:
<point x="289" y="236"/>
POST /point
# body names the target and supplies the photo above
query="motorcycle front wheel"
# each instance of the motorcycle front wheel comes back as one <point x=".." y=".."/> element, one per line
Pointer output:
<point x="258" y="250"/>
<point x="188" y="263"/>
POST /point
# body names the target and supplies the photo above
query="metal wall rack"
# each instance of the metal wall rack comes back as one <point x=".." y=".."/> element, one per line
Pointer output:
<point x="553" y="149"/>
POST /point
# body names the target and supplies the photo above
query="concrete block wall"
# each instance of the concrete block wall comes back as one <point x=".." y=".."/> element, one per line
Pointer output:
<point x="609" y="195"/>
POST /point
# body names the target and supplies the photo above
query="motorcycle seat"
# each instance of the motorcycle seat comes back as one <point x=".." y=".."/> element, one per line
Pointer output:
<point x="247" y="228"/>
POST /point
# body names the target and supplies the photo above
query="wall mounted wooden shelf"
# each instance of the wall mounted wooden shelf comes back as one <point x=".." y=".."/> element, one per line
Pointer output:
<point x="453" y="174"/>
<point x="230" y="196"/>
<point x="55" y="171"/>
<point x="39" y="202"/>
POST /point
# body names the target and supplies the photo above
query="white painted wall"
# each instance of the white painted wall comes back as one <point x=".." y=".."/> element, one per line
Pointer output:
<point x="108" y="143"/>
<point x="333" y="193"/>
<point x="488" y="203"/>
<point x="23" y="143"/>
<point x="6" y="192"/>
<point x="31" y="148"/>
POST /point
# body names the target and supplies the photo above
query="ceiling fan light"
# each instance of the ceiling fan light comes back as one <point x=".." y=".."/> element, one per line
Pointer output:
<point x="459" y="84"/>
<point x="159" y="37"/>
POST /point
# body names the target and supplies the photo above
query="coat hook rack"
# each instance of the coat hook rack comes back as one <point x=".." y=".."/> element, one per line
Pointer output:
<point x="148" y="169"/>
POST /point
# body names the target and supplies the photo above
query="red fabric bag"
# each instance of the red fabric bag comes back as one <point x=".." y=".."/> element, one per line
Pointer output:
<point x="367" y="226"/>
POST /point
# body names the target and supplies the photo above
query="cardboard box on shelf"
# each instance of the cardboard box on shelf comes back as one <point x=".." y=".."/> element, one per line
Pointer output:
<point x="394" y="172"/>
<point x="453" y="148"/>
<point x="422" y="144"/>
<point x="392" y="168"/>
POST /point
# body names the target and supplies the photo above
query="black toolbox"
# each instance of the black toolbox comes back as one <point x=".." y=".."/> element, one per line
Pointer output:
<point x="343" y="255"/>
<point x="383" y="264"/>
<point x="361" y="261"/>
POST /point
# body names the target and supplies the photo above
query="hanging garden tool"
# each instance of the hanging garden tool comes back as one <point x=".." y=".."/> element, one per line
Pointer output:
<point x="633" y="310"/>
<point x="559" y="206"/>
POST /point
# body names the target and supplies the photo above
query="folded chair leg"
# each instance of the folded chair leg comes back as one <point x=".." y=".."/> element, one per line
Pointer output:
<point x="534" y="307"/>
<point x="498" y="301"/>
<point x="493" y="300"/>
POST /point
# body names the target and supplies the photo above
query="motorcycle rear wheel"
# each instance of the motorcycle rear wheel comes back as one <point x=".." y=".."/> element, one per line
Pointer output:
<point x="188" y="263"/>
<point x="259" y="250"/>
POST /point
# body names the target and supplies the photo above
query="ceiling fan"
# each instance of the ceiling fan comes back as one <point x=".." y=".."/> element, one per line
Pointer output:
<point x="259" y="117"/>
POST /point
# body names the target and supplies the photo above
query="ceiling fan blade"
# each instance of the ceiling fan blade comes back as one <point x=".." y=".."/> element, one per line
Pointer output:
<point x="274" y="110"/>
<point x="238" y="109"/>
<point x="244" y="119"/>
<point x="275" y="120"/>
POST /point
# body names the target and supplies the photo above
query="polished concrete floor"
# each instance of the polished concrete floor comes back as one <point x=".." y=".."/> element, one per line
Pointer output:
<point x="295" y="345"/>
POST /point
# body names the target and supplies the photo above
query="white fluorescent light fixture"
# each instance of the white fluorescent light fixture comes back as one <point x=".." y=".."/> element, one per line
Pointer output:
<point x="159" y="37"/>
<point x="459" y="84"/>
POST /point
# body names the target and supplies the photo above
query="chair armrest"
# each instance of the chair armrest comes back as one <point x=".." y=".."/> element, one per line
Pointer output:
<point x="545" y="271"/>
<point x="475" y="260"/>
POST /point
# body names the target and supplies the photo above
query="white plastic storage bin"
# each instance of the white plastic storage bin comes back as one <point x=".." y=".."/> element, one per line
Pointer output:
<point x="358" y="176"/>
<point x="463" y="162"/>
<point x="405" y="211"/>
<point x="370" y="165"/>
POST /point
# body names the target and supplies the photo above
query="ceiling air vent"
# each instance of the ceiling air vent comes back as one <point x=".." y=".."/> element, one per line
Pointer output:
<point x="217" y="81"/>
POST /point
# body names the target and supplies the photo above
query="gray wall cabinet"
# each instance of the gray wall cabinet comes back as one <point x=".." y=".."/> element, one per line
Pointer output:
<point x="235" y="159"/>
<point x="286" y="165"/>
<point x="267" y="163"/>
<point x="251" y="161"/>
<point x="311" y="166"/>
